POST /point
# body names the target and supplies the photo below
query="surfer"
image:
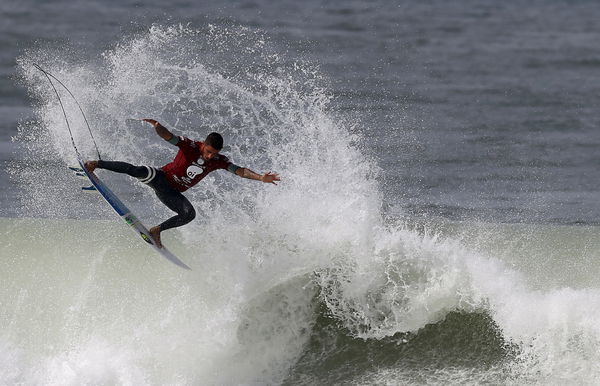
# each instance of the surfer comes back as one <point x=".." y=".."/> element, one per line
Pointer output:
<point x="194" y="160"/>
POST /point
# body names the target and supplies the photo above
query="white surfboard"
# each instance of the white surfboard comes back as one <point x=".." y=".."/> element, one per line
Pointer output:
<point x="131" y="219"/>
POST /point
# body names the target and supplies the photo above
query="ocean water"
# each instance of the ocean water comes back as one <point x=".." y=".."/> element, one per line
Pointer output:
<point x="436" y="222"/>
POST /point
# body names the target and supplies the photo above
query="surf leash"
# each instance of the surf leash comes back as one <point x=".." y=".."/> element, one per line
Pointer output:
<point x="49" y="76"/>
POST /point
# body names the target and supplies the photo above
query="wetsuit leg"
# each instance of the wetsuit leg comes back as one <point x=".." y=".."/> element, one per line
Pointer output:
<point x="124" y="167"/>
<point x="174" y="200"/>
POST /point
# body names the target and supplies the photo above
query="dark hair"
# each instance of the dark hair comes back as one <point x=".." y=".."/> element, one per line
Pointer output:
<point x="215" y="140"/>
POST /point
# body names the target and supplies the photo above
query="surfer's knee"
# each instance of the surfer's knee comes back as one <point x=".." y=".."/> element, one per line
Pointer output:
<point x="188" y="213"/>
<point x="145" y="174"/>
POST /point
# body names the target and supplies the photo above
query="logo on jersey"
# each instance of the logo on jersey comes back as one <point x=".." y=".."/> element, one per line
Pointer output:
<point x="194" y="170"/>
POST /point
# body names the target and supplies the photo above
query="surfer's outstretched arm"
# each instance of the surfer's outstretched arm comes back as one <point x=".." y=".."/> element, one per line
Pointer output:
<point x="267" y="177"/>
<point x="162" y="131"/>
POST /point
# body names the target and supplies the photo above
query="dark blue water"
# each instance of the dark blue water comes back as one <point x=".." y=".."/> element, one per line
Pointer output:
<point x="472" y="109"/>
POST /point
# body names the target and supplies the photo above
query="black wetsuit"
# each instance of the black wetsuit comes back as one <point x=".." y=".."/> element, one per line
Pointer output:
<point x="156" y="179"/>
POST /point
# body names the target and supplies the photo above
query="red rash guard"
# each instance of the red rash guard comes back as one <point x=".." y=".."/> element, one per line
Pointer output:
<point x="188" y="168"/>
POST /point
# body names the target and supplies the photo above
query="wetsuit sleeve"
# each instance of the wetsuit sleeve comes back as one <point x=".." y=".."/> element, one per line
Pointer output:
<point x="232" y="167"/>
<point x="223" y="163"/>
<point x="174" y="140"/>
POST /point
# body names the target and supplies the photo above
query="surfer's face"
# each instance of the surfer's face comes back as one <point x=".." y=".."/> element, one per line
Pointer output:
<point x="208" y="152"/>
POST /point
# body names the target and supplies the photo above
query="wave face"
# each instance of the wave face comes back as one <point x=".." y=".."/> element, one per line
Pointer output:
<point x="300" y="283"/>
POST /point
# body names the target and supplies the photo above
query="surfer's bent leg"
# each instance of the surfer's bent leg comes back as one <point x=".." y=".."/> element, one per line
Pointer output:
<point x="184" y="208"/>
<point x="174" y="200"/>
<point x="124" y="167"/>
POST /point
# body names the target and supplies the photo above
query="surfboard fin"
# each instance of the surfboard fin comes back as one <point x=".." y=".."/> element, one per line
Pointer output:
<point x="76" y="169"/>
<point x="78" y="172"/>
<point x="90" y="188"/>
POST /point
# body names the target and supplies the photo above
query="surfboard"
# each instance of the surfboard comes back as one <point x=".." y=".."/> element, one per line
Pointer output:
<point x="131" y="219"/>
<point x="134" y="223"/>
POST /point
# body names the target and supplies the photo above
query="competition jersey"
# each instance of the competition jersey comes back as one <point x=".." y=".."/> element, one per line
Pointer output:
<point x="188" y="168"/>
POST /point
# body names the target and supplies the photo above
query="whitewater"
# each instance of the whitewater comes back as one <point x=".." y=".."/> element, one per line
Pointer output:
<point x="309" y="282"/>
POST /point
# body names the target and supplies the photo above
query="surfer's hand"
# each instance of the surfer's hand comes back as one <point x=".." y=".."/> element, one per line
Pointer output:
<point x="153" y="122"/>
<point x="270" y="178"/>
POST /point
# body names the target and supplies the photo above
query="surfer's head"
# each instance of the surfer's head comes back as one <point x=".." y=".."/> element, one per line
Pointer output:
<point x="212" y="146"/>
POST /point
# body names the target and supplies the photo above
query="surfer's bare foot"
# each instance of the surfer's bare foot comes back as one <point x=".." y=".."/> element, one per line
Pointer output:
<point x="155" y="233"/>
<point x="91" y="165"/>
